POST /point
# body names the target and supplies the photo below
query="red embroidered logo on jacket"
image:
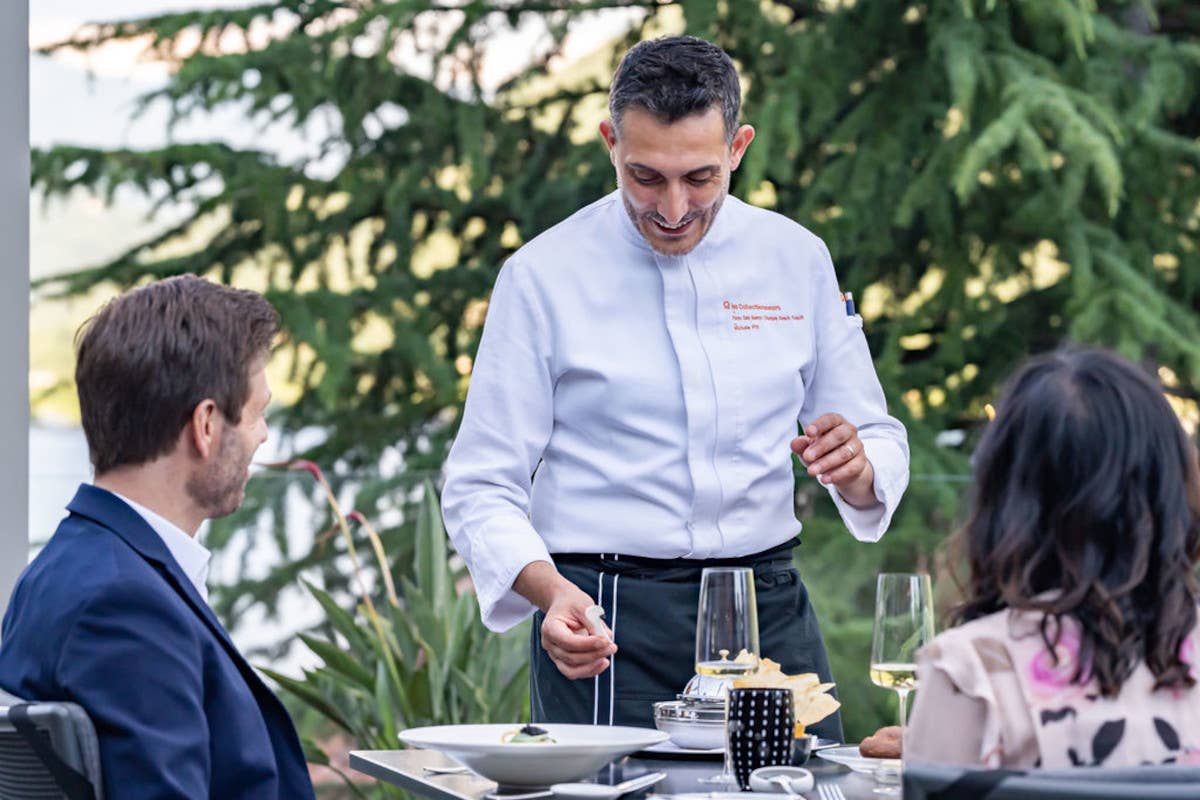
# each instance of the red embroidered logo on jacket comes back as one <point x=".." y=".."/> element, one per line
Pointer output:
<point x="753" y="316"/>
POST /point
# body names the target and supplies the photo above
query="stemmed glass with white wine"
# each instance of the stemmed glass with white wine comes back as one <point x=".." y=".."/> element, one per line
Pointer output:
<point x="903" y="625"/>
<point x="726" y="635"/>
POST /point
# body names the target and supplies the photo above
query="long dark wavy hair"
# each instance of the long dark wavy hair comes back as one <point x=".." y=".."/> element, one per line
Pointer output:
<point x="1085" y="504"/>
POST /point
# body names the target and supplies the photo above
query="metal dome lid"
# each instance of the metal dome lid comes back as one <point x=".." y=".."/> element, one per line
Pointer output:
<point x="682" y="711"/>
<point x="707" y="689"/>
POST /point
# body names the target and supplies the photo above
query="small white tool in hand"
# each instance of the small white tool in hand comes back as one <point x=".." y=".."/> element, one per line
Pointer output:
<point x="594" y="614"/>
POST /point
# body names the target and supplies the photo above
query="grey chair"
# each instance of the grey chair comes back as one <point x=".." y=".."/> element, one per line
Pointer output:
<point x="942" y="782"/>
<point x="48" y="751"/>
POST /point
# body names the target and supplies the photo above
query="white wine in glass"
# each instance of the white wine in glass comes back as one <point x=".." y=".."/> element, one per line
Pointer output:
<point x="894" y="676"/>
<point x="727" y="622"/>
<point x="723" y="667"/>
<point x="903" y="625"/>
<point x="726" y="627"/>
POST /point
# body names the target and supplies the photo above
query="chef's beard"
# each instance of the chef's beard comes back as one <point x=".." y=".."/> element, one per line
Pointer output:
<point x="644" y="219"/>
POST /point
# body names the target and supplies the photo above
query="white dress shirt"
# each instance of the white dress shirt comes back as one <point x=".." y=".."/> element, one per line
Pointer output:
<point x="655" y="397"/>
<point x="191" y="556"/>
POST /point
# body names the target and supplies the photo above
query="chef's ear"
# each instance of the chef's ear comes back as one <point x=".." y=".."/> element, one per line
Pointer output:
<point x="609" y="133"/>
<point x="737" y="148"/>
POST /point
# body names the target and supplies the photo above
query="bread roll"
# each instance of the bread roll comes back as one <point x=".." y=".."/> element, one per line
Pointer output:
<point x="885" y="743"/>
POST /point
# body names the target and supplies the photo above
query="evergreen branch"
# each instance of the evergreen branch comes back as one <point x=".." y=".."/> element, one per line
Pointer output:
<point x="960" y="47"/>
<point x="164" y="31"/>
<point x="994" y="138"/>
<point x="1170" y="144"/>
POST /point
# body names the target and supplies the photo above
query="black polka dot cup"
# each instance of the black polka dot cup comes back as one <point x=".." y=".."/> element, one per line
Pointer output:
<point x="760" y="730"/>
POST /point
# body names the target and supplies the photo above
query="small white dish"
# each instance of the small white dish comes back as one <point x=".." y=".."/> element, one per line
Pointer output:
<point x="692" y="726"/>
<point x="772" y="779"/>
<point x="459" y="770"/>
<point x="577" y="751"/>
<point x="694" y="736"/>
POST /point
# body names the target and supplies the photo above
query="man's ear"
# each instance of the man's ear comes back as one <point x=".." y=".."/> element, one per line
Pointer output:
<point x="204" y="428"/>
<point x="741" y="140"/>
<point x="609" y="134"/>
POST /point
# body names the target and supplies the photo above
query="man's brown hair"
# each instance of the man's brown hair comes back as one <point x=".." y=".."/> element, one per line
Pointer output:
<point x="149" y="357"/>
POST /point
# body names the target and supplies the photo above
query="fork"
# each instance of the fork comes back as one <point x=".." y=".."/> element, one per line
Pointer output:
<point x="828" y="791"/>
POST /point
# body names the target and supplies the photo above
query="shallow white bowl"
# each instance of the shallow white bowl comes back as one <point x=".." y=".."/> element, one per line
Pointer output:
<point x="692" y="725"/>
<point x="577" y="751"/>
<point x="800" y="779"/>
<point x="694" y="735"/>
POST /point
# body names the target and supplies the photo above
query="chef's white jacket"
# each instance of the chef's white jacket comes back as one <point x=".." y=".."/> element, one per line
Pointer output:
<point x="627" y="402"/>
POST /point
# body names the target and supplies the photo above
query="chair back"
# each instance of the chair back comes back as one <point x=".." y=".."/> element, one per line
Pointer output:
<point x="944" y="782"/>
<point x="48" y="751"/>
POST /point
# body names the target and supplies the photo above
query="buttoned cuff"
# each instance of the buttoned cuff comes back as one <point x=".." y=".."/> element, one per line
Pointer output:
<point x="891" y="479"/>
<point x="500" y="549"/>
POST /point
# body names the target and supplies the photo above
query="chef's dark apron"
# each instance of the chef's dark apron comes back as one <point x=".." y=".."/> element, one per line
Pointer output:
<point x="650" y="605"/>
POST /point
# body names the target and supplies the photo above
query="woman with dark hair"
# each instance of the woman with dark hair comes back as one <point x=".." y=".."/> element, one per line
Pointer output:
<point x="1076" y="639"/>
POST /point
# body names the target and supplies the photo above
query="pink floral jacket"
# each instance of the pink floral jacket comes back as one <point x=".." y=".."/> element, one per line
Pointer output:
<point x="991" y="694"/>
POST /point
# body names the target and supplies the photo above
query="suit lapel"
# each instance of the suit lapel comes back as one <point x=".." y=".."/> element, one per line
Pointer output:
<point x="115" y="515"/>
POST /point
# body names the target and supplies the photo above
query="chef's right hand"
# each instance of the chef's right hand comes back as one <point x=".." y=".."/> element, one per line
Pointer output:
<point x="574" y="649"/>
<point x="566" y="637"/>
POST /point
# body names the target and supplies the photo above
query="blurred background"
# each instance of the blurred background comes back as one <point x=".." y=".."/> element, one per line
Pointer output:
<point x="993" y="179"/>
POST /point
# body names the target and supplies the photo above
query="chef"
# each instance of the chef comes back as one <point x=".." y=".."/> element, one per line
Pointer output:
<point x="644" y="370"/>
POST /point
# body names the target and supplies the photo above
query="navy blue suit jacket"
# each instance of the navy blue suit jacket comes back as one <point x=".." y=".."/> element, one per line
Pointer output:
<point x="104" y="617"/>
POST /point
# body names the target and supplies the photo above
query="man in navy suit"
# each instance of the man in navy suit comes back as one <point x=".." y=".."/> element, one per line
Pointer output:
<point x="112" y="613"/>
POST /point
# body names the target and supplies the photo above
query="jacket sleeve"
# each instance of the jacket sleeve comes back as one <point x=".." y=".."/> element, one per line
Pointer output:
<point x="843" y="380"/>
<point x="137" y="670"/>
<point x="506" y="426"/>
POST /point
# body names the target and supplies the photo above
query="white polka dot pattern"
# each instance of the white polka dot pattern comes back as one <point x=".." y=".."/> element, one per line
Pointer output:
<point x="761" y="730"/>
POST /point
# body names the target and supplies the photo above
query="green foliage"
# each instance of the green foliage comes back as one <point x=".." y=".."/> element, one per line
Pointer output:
<point x="992" y="178"/>
<point x="425" y="660"/>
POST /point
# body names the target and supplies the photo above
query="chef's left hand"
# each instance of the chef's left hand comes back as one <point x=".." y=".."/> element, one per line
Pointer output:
<point x="834" y="455"/>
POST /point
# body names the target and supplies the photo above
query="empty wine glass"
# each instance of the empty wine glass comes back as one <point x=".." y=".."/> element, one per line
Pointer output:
<point x="726" y="635"/>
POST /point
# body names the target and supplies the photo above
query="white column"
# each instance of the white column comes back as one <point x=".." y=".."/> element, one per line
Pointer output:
<point x="14" y="293"/>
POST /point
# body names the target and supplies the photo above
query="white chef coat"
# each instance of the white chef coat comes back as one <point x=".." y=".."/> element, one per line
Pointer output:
<point x="655" y="397"/>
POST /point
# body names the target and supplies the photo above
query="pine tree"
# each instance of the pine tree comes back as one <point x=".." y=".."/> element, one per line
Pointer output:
<point x="992" y="178"/>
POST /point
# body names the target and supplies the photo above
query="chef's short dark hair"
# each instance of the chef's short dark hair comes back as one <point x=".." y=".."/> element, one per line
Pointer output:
<point x="150" y="356"/>
<point x="674" y="77"/>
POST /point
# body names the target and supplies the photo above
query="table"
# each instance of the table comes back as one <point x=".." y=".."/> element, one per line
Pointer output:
<point x="406" y="769"/>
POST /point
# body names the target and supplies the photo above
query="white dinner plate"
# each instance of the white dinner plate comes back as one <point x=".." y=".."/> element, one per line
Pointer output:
<point x="577" y="751"/>
<point x="849" y="756"/>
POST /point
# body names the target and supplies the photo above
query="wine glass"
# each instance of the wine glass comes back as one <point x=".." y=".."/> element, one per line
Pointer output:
<point x="726" y="636"/>
<point x="726" y="622"/>
<point x="903" y="624"/>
